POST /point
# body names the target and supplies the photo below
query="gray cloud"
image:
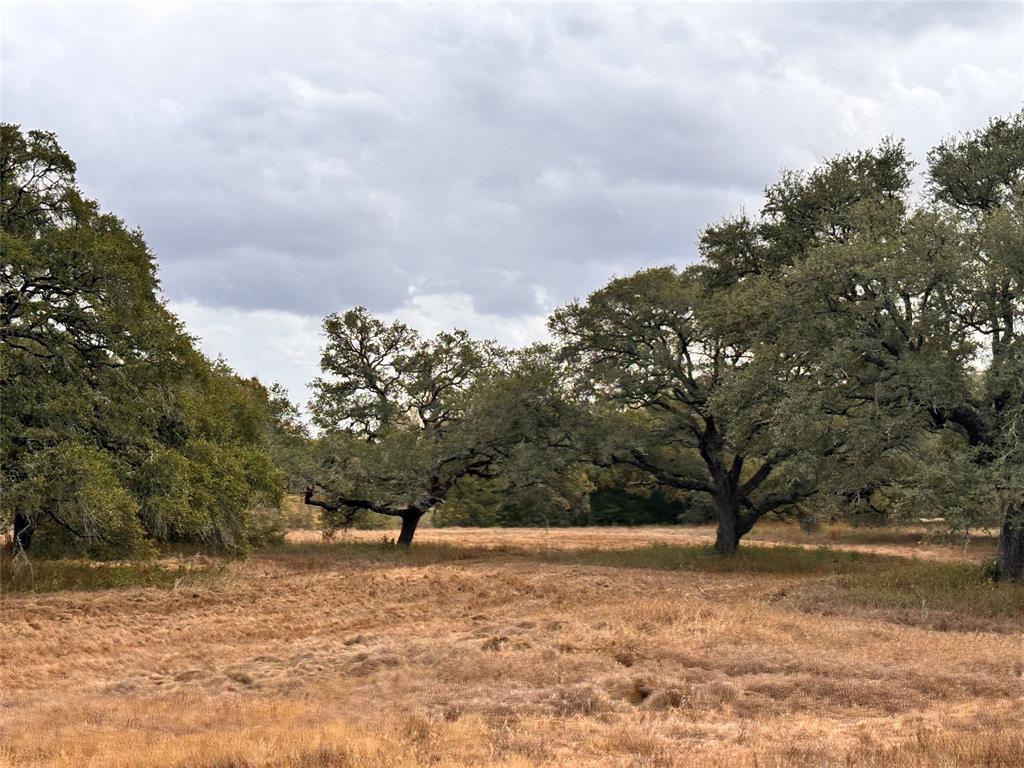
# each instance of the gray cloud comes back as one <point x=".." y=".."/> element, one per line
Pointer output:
<point x="478" y="163"/>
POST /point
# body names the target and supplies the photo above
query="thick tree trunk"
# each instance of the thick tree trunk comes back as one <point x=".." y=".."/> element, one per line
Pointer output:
<point x="410" y="520"/>
<point x="727" y="538"/>
<point x="1010" y="557"/>
<point x="23" y="530"/>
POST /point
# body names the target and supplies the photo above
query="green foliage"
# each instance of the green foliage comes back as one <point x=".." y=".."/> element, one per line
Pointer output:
<point x="484" y="505"/>
<point x="79" y="488"/>
<point x="115" y="432"/>
<point x="40" y="576"/>
<point x="491" y="503"/>
<point x="980" y="171"/>
<point x="287" y="435"/>
<point x="897" y="340"/>
<point x="654" y="351"/>
<point x="616" y="506"/>
<point x="407" y="420"/>
<point x="843" y="348"/>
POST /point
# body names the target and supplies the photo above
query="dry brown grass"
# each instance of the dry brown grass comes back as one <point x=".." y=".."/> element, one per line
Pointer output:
<point x="479" y="653"/>
<point x="919" y="541"/>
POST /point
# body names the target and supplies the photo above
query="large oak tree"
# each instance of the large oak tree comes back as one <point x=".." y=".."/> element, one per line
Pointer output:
<point x="680" y="351"/>
<point x="906" y="332"/>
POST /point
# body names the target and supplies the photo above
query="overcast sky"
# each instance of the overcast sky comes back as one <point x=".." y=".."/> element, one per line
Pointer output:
<point x="464" y="165"/>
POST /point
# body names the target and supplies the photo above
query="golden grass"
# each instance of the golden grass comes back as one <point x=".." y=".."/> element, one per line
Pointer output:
<point x="919" y="542"/>
<point x="520" y="648"/>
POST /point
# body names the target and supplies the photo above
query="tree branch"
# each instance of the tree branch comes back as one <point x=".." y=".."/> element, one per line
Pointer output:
<point x="340" y="502"/>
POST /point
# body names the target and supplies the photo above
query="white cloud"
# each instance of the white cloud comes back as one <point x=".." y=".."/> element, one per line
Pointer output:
<point x="285" y="347"/>
<point x="468" y="165"/>
<point x="271" y="344"/>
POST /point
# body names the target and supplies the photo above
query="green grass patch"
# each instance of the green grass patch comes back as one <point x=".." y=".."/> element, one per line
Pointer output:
<point x="843" y="533"/>
<point x="34" y="576"/>
<point x="763" y="560"/>
<point x="915" y="591"/>
<point x="928" y="586"/>
<point x="921" y="591"/>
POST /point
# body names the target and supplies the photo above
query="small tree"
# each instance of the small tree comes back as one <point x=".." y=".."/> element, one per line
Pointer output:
<point x="405" y="419"/>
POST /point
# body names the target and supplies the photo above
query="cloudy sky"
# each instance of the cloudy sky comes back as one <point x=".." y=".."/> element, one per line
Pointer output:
<point x="468" y="166"/>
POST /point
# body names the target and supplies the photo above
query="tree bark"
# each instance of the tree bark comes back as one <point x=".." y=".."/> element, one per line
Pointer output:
<point x="727" y="537"/>
<point x="410" y="519"/>
<point x="23" y="530"/>
<point x="1010" y="557"/>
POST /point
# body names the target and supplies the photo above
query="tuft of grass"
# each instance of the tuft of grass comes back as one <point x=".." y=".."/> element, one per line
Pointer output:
<point x="37" y="576"/>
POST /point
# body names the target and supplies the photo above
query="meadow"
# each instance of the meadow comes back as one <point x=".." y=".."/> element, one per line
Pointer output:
<point x="521" y="647"/>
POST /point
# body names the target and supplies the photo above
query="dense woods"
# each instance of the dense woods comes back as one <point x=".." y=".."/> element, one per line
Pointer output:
<point x="852" y="350"/>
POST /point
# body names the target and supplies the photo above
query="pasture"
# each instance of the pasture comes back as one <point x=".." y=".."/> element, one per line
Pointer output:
<point x="521" y="647"/>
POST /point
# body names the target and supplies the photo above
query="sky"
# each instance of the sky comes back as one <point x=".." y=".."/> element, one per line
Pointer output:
<point x="466" y="165"/>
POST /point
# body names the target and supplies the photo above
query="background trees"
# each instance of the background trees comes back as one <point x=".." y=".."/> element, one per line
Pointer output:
<point x="845" y="349"/>
<point x="683" y="359"/>
<point x="977" y="180"/>
<point x="115" y="431"/>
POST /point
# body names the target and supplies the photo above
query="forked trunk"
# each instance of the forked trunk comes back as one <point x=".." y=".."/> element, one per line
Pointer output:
<point x="727" y="538"/>
<point x="1010" y="557"/>
<point x="410" y="520"/>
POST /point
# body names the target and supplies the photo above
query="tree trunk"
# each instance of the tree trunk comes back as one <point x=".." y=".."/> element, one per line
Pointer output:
<point x="727" y="538"/>
<point x="23" y="530"/>
<point x="410" y="520"/>
<point x="1010" y="557"/>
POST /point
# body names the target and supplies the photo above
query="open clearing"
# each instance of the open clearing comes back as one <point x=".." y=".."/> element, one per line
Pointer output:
<point x="579" y="647"/>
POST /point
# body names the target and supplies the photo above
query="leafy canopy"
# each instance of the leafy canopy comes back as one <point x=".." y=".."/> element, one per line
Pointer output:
<point x="116" y="432"/>
<point x="406" y="419"/>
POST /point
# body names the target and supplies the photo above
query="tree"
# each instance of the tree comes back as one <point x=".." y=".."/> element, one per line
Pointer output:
<point x="645" y="345"/>
<point x="115" y="432"/>
<point x="286" y="434"/>
<point x="979" y="179"/>
<point x="907" y="335"/>
<point x="681" y="360"/>
<point x="406" y="419"/>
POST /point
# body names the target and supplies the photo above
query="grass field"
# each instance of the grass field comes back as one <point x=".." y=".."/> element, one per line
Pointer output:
<point x="577" y="647"/>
